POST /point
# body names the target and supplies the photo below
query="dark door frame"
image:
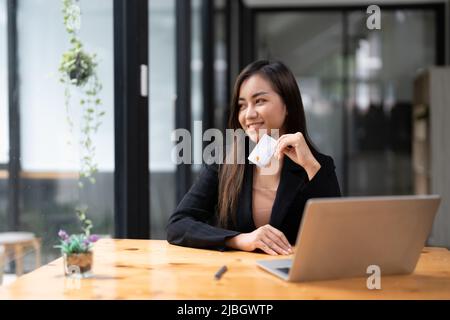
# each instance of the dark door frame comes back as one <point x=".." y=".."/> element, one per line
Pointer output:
<point x="131" y="120"/>
<point x="183" y="87"/>
<point x="14" y="163"/>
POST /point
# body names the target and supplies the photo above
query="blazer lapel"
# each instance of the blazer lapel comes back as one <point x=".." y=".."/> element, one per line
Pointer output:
<point x="244" y="215"/>
<point x="292" y="179"/>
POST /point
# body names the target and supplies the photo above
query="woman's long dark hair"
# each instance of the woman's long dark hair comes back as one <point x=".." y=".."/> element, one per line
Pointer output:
<point x="283" y="82"/>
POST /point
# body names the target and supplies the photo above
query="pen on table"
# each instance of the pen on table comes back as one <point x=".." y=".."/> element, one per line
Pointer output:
<point x="220" y="272"/>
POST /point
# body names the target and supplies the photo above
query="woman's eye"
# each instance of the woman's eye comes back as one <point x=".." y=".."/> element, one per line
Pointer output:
<point x="260" y="101"/>
<point x="242" y="107"/>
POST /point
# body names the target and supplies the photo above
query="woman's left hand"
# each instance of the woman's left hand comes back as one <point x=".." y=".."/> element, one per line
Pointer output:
<point x="295" y="147"/>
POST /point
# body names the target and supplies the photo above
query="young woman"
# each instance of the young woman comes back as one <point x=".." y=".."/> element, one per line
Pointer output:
<point x="238" y="206"/>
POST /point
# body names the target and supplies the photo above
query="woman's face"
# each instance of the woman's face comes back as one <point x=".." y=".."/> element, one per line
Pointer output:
<point x="260" y="108"/>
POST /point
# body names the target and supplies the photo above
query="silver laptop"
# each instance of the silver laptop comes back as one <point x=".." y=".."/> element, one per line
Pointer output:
<point x="341" y="237"/>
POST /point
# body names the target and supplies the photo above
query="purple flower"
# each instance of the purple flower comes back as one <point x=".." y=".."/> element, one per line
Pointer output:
<point x="63" y="235"/>
<point x="93" y="238"/>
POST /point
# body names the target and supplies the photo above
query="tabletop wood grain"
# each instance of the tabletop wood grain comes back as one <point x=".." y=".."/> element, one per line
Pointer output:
<point x="154" y="269"/>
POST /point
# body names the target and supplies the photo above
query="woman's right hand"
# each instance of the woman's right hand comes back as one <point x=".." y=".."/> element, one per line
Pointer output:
<point x="267" y="238"/>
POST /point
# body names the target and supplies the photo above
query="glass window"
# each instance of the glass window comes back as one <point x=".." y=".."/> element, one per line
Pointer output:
<point x="314" y="54"/>
<point x="50" y="150"/>
<point x="375" y="85"/>
<point x="381" y="74"/>
<point x="162" y="113"/>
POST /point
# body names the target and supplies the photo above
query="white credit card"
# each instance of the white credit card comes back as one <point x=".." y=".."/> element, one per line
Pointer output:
<point x="263" y="151"/>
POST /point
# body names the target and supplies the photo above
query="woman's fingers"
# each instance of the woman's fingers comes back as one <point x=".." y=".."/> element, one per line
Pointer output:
<point x="271" y="238"/>
<point x="274" y="244"/>
<point x="266" y="248"/>
<point x="285" y="142"/>
<point x="281" y="238"/>
<point x="291" y="140"/>
<point x="282" y="137"/>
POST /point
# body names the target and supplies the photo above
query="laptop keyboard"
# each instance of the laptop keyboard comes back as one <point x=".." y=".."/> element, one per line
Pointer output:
<point x="284" y="270"/>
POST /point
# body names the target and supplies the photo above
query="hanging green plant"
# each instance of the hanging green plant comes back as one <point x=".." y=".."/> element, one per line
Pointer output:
<point x="78" y="71"/>
<point x="77" y="66"/>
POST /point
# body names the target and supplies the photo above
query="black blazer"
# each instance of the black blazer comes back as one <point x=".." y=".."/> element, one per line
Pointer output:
<point x="193" y="222"/>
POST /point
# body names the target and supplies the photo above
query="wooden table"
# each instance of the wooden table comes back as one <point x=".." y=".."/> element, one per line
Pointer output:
<point x="153" y="269"/>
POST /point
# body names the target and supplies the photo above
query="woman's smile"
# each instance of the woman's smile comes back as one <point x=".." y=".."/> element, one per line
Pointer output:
<point x="255" y="125"/>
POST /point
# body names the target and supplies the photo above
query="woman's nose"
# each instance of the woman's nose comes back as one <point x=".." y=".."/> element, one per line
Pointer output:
<point x="251" y="112"/>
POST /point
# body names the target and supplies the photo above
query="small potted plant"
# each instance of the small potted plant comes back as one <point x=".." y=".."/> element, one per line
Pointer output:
<point x="77" y="249"/>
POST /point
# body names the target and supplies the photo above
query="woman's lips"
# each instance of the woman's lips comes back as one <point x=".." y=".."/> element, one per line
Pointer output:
<point x="255" y="126"/>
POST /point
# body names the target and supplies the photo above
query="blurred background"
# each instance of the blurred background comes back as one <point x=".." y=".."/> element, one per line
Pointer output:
<point x="376" y="101"/>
